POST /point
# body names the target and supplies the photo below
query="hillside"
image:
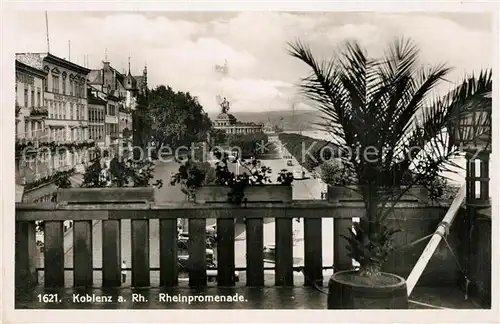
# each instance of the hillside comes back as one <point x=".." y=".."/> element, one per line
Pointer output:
<point x="285" y="118"/>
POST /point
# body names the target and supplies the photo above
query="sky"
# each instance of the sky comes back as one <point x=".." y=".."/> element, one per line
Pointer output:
<point x="181" y="49"/>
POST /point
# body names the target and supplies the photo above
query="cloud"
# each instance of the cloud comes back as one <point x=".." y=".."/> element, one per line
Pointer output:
<point x="182" y="49"/>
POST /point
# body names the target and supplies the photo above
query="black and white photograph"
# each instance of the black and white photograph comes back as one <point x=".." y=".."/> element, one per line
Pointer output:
<point x="248" y="160"/>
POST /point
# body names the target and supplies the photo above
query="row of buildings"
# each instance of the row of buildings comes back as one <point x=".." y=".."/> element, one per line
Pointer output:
<point x="63" y="112"/>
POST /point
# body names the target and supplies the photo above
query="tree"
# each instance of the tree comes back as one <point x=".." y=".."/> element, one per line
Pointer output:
<point x="179" y="117"/>
<point x="385" y="106"/>
<point x="308" y="151"/>
<point x="249" y="144"/>
<point x="218" y="136"/>
<point x="142" y="122"/>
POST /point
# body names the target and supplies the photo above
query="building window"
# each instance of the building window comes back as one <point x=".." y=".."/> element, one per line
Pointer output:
<point x="71" y="111"/>
<point x="64" y="111"/>
<point x="71" y="87"/>
<point x="51" y="110"/>
<point x="111" y="110"/>
<point x="38" y="97"/>
<point x="64" y="85"/>
<point x="55" y="84"/>
<point x="77" y="111"/>
<point x="45" y="85"/>
<point x="25" y="97"/>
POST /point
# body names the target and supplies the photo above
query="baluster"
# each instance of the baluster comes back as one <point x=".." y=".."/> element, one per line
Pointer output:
<point x="54" y="253"/>
<point x="82" y="254"/>
<point x="168" y="252"/>
<point x="225" y="252"/>
<point x="26" y="255"/>
<point x="197" y="252"/>
<point x="313" y="252"/>
<point x="111" y="252"/>
<point x="254" y="249"/>
<point x="140" y="249"/>
<point x="284" y="252"/>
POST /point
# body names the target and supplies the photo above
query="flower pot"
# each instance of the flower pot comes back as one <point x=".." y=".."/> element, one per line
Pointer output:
<point x="348" y="290"/>
<point x="258" y="193"/>
<point x="130" y="195"/>
<point x="353" y="194"/>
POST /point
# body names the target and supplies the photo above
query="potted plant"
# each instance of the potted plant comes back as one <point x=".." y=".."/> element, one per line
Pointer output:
<point x="394" y="135"/>
<point x="342" y="185"/>
<point x="203" y="183"/>
<point x="131" y="177"/>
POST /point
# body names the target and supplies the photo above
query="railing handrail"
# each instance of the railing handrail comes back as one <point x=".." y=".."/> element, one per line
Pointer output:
<point x="93" y="211"/>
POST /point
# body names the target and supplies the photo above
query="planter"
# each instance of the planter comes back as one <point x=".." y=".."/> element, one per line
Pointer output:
<point x="131" y="195"/>
<point x="259" y="193"/>
<point x="347" y="290"/>
<point x="353" y="194"/>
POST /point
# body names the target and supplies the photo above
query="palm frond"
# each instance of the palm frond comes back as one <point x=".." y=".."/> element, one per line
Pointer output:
<point x="386" y="104"/>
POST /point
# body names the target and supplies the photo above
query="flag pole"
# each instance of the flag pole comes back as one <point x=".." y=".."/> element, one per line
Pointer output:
<point x="47" y="31"/>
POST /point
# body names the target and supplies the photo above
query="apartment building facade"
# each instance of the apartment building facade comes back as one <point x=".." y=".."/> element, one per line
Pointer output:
<point x="65" y="96"/>
<point x="122" y="90"/>
<point x="30" y="129"/>
<point x="97" y="111"/>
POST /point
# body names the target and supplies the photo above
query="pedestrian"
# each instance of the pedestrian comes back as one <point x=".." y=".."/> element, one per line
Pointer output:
<point x="124" y="272"/>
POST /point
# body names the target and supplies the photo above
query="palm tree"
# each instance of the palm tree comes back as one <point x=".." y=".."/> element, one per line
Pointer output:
<point x="395" y="132"/>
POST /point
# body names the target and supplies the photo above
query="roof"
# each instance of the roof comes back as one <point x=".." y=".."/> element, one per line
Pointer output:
<point x="95" y="77"/>
<point x="93" y="100"/>
<point x="36" y="60"/>
<point x="249" y="124"/>
<point x="226" y="116"/>
<point x="130" y="82"/>
<point x="39" y="72"/>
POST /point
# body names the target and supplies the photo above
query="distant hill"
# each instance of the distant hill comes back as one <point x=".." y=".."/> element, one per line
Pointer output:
<point x="283" y="118"/>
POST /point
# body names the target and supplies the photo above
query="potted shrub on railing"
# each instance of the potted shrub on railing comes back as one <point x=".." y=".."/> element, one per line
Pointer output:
<point x="343" y="185"/>
<point x="121" y="174"/>
<point x="254" y="184"/>
<point x="394" y="135"/>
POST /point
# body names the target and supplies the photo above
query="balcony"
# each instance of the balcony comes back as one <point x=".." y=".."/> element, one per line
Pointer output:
<point x="154" y="267"/>
<point x="38" y="113"/>
<point x="18" y="110"/>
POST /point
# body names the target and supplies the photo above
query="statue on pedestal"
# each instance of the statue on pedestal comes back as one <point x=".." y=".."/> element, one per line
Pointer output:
<point x="224" y="106"/>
